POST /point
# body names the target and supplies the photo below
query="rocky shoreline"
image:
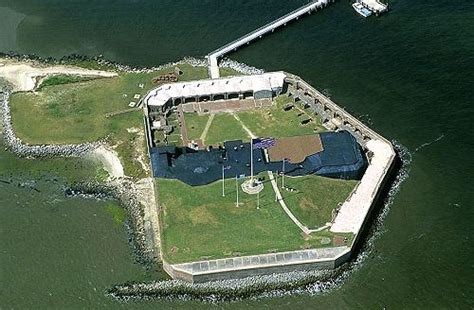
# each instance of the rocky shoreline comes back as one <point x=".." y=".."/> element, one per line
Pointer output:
<point x="230" y="290"/>
<point x="125" y="192"/>
<point x="112" y="65"/>
<point x="122" y="189"/>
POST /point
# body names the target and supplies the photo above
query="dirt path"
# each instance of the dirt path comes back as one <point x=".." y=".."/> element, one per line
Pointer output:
<point x="250" y="133"/>
<point x="206" y="129"/>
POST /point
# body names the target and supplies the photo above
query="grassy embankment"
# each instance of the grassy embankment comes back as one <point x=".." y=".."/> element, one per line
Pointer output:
<point x="198" y="223"/>
<point x="70" y="110"/>
<point x="268" y="122"/>
<point x="315" y="198"/>
<point x="61" y="79"/>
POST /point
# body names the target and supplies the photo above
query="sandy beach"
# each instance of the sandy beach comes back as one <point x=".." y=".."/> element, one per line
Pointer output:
<point x="24" y="77"/>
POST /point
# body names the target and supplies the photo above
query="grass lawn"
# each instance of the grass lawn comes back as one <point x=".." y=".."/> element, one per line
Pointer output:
<point x="225" y="127"/>
<point x="269" y="122"/>
<point x="76" y="112"/>
<point x="225" y="72"/>
<point x="198" y="223"/>
<point x="316" y="198"/>
<point x="63" y="79"/>
<point x="275" y="122"/>
<point x="195" y="124"/>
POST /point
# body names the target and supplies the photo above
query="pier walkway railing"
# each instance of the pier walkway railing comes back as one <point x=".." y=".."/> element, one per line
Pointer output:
<point x="214" y="56"/>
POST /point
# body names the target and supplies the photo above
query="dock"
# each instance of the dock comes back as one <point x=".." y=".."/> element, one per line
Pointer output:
<point x="213" y="57"/>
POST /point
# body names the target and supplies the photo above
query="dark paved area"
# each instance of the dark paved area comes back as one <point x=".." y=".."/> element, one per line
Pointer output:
<point x="342" y="158"/>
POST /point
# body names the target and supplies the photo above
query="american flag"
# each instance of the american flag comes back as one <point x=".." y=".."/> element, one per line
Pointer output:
<point x="227" y="167"/>
<point x="263" y="143"/>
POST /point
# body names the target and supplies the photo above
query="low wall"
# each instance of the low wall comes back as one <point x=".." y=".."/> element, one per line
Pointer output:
<point x="265" y="264"/>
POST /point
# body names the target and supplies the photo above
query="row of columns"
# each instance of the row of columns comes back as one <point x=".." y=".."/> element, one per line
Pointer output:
<point x="360" y="133"/>
<point x="212" y="97"/>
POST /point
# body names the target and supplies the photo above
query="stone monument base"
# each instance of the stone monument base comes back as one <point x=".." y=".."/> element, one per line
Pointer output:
<point x="252" y="187"/>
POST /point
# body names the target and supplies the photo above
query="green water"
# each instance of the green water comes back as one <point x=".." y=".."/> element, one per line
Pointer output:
<point x="408" y="74"/>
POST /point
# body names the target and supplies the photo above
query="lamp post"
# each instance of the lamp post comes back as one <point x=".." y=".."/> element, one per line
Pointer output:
<point x="223" y="181"/>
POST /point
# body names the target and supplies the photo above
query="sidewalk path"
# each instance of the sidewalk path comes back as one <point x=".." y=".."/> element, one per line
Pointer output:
<point x="206" y="129"/>
<point x="244" y="127"/>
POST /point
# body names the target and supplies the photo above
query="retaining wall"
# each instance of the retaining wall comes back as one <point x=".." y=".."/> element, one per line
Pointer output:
<point x="265" y="264"/>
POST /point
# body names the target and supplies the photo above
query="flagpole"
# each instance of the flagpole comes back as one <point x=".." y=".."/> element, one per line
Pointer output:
<point x="223" y="181"/>
<point x="283" y="175"/>
<point x="258" y="200"/>
<point x="237" y="191"/>
<point x="251" y="160"/>
<point x="276" y="181"/>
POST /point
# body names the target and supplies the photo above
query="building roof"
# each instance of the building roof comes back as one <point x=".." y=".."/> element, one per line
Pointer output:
<point x="267" y="81"/>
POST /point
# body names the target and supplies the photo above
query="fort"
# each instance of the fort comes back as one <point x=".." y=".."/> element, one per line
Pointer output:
<point x="346" y="149"/>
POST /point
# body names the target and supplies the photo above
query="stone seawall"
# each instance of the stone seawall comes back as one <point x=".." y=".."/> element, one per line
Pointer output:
<point x="277" y="284"/>
<point x="263" y="264"/>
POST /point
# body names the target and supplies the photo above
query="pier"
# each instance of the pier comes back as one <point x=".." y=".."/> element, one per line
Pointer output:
<point x="213" y="58"/>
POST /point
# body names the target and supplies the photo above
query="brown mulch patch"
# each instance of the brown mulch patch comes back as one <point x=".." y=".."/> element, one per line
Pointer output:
<point x="339" y="241"/>
<point x="295" y="149"/>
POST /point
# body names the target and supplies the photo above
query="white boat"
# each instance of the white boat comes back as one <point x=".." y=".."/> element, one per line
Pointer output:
<point x="363" y="11"/>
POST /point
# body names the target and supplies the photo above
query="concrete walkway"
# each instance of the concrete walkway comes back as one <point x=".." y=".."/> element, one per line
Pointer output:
<point x="283" y="204"/>
<point x="354" y="211"/>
